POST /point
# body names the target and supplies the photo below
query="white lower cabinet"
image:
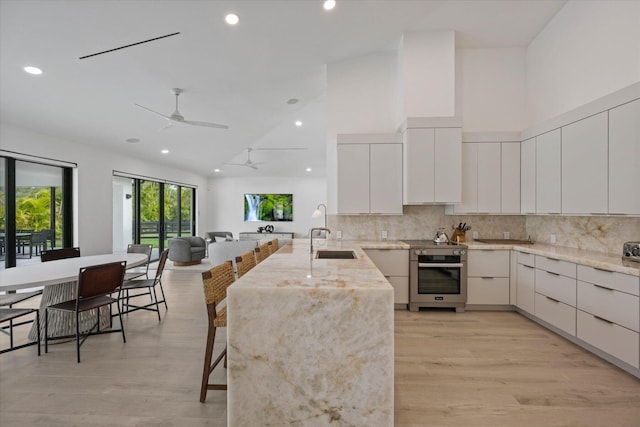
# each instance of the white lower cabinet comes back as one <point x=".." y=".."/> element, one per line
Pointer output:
<point x="609" y="337"/>
<point x="525" y="288"/>
<point x="558" y="314"/>
<point x="488" y="277"/>
<point x="394" y="265"/>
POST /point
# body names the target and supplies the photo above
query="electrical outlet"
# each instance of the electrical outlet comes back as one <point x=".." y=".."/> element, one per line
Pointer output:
<point x="506" y="235"/>
<point x="552" y="239"/>
<point x="383" y="234"/>
<point x="475" y="235"/>
<point x="339" y="234"/>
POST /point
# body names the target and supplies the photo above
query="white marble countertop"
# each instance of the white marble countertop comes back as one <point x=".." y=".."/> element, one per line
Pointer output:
<point x="291" y="267"/>
<point x="579" y="256"/>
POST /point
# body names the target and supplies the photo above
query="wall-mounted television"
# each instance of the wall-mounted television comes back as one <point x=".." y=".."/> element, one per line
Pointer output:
<point x="268" y="207"/>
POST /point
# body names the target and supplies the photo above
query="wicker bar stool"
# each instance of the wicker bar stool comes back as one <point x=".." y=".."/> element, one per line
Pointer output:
<point x="245" y="262"/>
<point x="262" y="252"/>
<point x="273" y="245"/>
<point x="215" y="282"/>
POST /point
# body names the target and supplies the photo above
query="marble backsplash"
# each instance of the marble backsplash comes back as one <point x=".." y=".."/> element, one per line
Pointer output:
<point x="598" y="233"/>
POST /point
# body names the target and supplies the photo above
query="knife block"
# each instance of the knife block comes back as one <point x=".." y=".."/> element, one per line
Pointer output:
<point x="457" y="236"/>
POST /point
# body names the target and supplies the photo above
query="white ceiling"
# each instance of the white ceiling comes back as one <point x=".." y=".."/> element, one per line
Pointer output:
<point x="240" y="76"/>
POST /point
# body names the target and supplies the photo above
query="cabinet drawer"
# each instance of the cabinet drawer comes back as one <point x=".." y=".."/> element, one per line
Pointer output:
<point x="488" y="263"/>
<point x="493" y="290"/>
<point x="526" y="259"/>
<point x="556" y="266"/>
<point x="555" y="286"/>
<point x="525" y="288"/>
<point x="391" y="262"/>
<point x="558" y="314"/>
<point x="611" y="338"/>
<point x="400" y="289"/>
<point x="615" y="306"/>
<point x="610" y="279"/>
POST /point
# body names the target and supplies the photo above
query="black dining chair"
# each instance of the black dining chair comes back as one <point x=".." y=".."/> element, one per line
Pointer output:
<point x="96" y="284"/>
<point x="130" y="287"/>
<point x="144" y="271"/>
<point x="9" y="315"/>
<point x="55" y="254"/>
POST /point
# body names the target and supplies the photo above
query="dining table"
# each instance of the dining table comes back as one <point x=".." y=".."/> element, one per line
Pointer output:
<point x="59" y="279"/>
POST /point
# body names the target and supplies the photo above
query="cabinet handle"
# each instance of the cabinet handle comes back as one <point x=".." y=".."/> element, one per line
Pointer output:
<point x="604" y="287"/>
<point x="602" y="269"/>
<point x="603" y="320"/>
<point x="485" y="277"/>
<point x="525" y="265"/>
<point x="551" y="299"/>
<point x="552" y="273"/>
<point x="552" y="259"/>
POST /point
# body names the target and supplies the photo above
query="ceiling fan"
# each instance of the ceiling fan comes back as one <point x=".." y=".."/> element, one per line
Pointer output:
<point x="254" y="165"/>
<point x="176" y="117"/>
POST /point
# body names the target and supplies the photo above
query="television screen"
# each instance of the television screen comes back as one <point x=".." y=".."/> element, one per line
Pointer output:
<point x="268" y="207"/>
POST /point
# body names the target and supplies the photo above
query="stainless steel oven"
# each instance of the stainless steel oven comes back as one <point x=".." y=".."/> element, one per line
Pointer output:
<point x="437" y="275"/>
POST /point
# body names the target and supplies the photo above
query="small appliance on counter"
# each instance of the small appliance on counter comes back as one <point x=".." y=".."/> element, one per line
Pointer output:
<point x="441" y="236"/>
<point x="631" y="251"/>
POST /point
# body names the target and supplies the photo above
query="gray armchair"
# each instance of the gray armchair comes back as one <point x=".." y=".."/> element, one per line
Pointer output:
<point x="186" y="250"/>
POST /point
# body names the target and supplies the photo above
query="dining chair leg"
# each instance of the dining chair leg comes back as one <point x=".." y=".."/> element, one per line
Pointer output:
<point x="78" y="335"/>
<point x="124" y="338"/>
<point x="155" y="297"/>
<point x="46" y="330"/>
<point x="38" y="329"/>
<point x="164" y="299"/>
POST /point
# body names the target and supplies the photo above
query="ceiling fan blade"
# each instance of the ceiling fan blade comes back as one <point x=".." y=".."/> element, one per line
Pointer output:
<point x="205" y="124"/>
<point x="154" y="112"/>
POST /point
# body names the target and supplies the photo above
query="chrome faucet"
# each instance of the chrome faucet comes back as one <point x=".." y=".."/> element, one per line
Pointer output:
<point x="311" y="235"/>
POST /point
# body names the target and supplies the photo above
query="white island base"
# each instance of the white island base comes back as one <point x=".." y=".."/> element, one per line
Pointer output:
<point x="310" y="351"/>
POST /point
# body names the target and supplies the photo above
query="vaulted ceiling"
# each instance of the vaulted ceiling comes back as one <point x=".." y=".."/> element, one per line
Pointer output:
<point x="240" y="76"/>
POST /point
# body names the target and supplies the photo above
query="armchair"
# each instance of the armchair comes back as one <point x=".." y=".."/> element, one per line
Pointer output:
<point x="188" y="250"/>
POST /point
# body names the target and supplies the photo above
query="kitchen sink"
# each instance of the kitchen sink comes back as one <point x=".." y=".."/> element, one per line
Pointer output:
<point x="336" y="254"/>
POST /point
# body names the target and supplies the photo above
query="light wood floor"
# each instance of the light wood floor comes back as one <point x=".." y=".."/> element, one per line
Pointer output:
<point x="466" y="369"/>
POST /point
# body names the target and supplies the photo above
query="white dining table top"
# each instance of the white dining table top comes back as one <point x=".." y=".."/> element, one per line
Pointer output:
<point x="59" y="271"/>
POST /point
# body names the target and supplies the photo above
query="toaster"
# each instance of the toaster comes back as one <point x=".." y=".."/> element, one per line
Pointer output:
<point x="631" y="251"/>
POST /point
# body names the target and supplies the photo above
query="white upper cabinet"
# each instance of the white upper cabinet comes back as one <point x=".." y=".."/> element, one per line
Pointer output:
<point x="353" y="178"/>
<point x="386" y="178"/>
<point x="528" y="176"/>
<point x="369" y="174"/>
<point x="584" y="166"/>
<point x="510" y="166"/>
<point x="490" y="178"/>
<point x="432" y="165"/>
<point x="448" y="166"/>
<point x="548" y="172"/>
<point x="624" y="159"/>
<point x="489" y="185"/>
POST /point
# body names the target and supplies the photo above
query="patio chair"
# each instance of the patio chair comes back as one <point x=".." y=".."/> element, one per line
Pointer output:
<point x="39" y="241"/>
<point x="96" y="284"/>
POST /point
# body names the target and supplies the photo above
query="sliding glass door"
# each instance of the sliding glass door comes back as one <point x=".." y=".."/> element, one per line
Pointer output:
<point x="35" y="210"/>
<point x="158" y="211"/>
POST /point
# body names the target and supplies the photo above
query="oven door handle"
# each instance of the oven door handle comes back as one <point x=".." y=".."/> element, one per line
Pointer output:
<point x="439" y="265"/>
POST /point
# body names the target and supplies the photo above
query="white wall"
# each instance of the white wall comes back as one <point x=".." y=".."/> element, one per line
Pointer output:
<point x="94" y="184"/>
<point x="226" y="203"/>
<point x="588" y="50"/>
<point x="491" y="88"/>
<point x="428" y="74"/>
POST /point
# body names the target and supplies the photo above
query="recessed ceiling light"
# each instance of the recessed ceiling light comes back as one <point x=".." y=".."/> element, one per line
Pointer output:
<point x="308" y="169"/>
<point x="216" y="170"/>
<point x="292" y="101"/>
<point x="298" y="123"/>
<point x="33" y="70"/>
<point x="232" y="19"/>
<point x="329" y="4"/>
<point x="132" y="140"/>
<point x="165" y="151"/>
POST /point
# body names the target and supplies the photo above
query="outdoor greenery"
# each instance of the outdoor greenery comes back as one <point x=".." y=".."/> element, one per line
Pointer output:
<point x="33" y="209"/>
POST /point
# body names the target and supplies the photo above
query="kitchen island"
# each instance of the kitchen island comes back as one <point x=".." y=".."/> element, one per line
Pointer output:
<point x="311" y="343"/>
